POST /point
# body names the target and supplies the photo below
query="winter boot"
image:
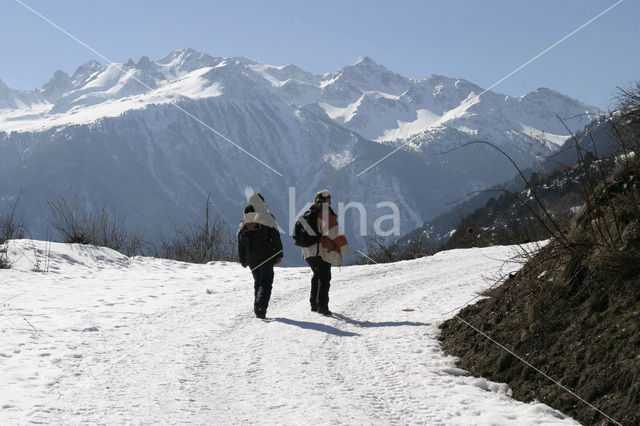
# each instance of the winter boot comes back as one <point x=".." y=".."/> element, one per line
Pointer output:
<point x="260" y="312"/>
<point x="324" y="311"/>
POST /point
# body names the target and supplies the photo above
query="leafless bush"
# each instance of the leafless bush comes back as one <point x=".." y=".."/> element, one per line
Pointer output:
<point x="135" y="245"/>
<point x="628" y="105"/>
<point x="79" y="223"/>
<point x="75" y="223"/>
<point x="627" y="131"/>
<point x="11" y="227"/>
<point x="381" y="250"/>
<point x="613" y="197"/>
<point x="202" y="242"/>
<point x="11" y="223"/>
<point x="536" y="208"/>
<point x="4" y="260"/>
<point x="418" y="246"/>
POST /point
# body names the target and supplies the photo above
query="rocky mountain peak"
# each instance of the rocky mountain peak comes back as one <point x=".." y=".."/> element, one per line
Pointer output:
<point x="56" y="86"/>
<point x="85" y="73"/>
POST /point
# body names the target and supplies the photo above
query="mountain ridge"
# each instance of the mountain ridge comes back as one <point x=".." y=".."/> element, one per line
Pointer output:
<point x="348" y="96"/>
<point x="111" y="139"/>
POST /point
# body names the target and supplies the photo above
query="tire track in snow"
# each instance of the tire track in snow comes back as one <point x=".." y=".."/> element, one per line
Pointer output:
<point x="382" y="383"/>
<point x="386" y="385"/>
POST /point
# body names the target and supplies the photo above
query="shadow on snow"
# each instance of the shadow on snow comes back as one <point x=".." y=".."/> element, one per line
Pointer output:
<point x="317" y="327"/>
<point x="379" y="324"/>
<point x="338" y="332"/>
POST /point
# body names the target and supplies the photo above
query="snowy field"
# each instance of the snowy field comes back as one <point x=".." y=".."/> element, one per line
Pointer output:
<point x="103" y="338"/>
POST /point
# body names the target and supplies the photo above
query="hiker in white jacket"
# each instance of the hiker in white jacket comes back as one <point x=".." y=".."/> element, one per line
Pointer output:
<point x="327" y="251"/>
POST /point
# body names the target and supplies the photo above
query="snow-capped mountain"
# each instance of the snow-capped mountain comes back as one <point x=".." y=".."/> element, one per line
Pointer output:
<point x="137" y="136"/>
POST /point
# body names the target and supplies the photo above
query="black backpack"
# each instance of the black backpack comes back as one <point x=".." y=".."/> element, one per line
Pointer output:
<point x="305" y="231"/>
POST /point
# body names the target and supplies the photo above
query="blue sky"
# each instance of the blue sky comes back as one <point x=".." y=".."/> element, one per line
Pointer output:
<point x="481" y="41"/>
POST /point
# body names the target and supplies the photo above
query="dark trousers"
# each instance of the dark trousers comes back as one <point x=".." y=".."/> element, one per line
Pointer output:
<point x="263" y="282"/>
<point x="320" y="282"/>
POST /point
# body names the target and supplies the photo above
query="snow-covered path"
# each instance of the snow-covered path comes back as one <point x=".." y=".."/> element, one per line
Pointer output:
<point x="144" y="340"/>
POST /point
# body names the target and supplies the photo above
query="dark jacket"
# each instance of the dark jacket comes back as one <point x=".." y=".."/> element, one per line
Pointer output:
<point x="258" y="243"/>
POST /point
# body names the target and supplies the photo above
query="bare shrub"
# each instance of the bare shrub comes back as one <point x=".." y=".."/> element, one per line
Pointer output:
<point x="4" y="260"/>
<point x="418" y="246"/>
<point x="11" y="227"/>
<point x="628" y="105"/>
<point x="81" y="224"/>
<point x="536" y="208"/>
<point x="381" y="250"/>
<point x="135" y="245"/>
<point x="74" y="223"/>
<point x="202" y="242"/>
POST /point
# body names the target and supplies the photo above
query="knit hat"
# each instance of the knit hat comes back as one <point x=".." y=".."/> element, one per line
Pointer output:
<point x="321" y="196"/>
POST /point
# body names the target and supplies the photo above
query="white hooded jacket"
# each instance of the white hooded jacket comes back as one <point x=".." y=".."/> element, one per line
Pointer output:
<point x="261" y="214"/>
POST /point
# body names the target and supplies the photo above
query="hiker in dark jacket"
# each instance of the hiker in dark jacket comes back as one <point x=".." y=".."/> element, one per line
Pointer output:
<point x="260" y="248"/>
<point x="327" y="251"/>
